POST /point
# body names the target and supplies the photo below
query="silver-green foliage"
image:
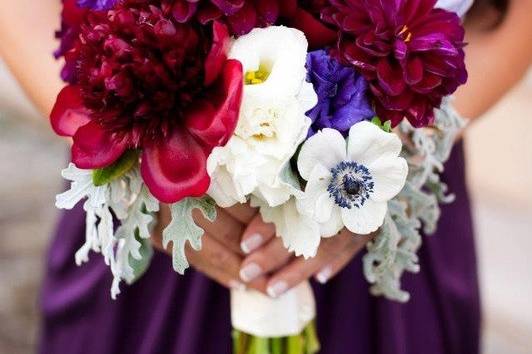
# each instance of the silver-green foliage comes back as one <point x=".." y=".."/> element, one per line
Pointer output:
<point x="182" y="228"/>
<point x="394" y="248"/>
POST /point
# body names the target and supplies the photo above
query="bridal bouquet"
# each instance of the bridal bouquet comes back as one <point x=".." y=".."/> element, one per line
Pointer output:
<point x="311" y="111"/>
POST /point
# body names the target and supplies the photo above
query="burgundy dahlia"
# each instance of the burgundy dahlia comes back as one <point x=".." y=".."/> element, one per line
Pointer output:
<point x="410" y="53"/>
<point x="241" y="16"/>
<point x="145" y="81"/>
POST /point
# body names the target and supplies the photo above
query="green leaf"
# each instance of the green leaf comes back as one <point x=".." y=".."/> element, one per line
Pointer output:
<point x="125" y="163"/>
<point x="182" y="228"/>
<point x="141" y="265"/>
<point x="386" y="126"/>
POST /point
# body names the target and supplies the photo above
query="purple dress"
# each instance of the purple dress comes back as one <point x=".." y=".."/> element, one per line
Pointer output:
<point x="164" y="313"/>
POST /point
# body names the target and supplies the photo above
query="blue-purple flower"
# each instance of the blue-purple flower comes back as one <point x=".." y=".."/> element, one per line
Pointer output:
<point x="97" y="4"/>
<point x="342" y="94"/>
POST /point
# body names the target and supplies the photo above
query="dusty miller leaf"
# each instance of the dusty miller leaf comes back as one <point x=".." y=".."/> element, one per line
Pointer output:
<point x="182" y="228"/>
<point x="393" y="251"/>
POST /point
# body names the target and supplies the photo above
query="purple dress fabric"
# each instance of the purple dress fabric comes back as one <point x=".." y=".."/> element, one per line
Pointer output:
<point x="164" y="313"/>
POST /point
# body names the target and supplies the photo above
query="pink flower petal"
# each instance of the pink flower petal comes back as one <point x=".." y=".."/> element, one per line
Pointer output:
<point x="213" y="121"/>
<point x="175" y="169"/>
<point x="218" y="53"/>
<point x="94" y="148"/>
<point x="69" y="113"/>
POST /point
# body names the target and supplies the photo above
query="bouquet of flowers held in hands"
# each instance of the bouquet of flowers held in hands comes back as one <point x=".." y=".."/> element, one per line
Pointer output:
<point x="297" y="107"/>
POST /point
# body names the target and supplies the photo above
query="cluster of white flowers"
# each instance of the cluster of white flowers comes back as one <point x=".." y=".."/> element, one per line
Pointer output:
<point x="347" y="184"/>
<point x="272" y="122"/>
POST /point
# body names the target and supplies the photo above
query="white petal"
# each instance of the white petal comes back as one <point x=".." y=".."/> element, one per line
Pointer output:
<point x="368" y="143"/>
<point x="325" y="148"/>
<point x="365" y="220"/>
<point x="307" y="97"/>
<point x="389" y="176"/>
<point x="316" y="201"/>
<point x="299" y="233"/>
<point x="332" y="226"/>
<point x="280" y="48"/>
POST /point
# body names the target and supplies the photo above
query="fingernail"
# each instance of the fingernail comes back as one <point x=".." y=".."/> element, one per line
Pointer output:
<point x="235" y="284"/>
<point x="324" y="275"/>
<point x="277" y="289"/>
<point x="251" y="243"/>
<point x="250" y="272"/>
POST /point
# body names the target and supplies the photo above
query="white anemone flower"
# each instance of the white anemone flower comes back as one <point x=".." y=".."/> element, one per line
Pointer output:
<point x="272" y="121"/>
<point x="349" y="183"/>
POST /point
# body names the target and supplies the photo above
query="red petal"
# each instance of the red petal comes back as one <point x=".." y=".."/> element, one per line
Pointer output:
<point x="390" y="78"/>
<point x="69" y="113"/>
<point x="94" y="148"/>
<point x="183" y="10"/>
<point x="288" y="8"/>
<point x="318" y="35"/>
<point x="213" y="121"/>
<point x="244" y="20"/>
<point x="218" y="54"/>
<point x="176" y="168"/>
<point x="413" y="71"/>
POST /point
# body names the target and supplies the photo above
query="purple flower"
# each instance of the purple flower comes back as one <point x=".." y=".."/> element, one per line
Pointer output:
<point x="97" y="4"/>
<point x="342" y="94"/>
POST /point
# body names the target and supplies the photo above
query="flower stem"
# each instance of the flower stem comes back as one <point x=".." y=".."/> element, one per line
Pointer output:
<point x="304" y="343"/>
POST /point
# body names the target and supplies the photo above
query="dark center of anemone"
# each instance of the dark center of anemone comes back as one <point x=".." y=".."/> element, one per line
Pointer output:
<point x="140" y="69"/>
<point x="351" y="184"/>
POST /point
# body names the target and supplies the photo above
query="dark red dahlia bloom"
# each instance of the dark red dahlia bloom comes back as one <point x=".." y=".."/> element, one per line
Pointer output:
<point x="241" y="16"/>
<point x="410" y="53"/>
<point x="145" y="81"/>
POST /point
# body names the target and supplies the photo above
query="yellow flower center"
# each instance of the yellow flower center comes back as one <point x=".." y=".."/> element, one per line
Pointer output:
<point x="257" y="77"/>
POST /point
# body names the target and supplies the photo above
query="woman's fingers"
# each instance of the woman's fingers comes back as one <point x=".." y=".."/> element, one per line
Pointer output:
<point x="300" y="269"/>
<point x="269" y="258"/>
<point x="329" y="271"/>
<point x="226" y="229"/>
<point x="256" y="234"/>
<point x="242" y="212"/>
<point x="220" y="264"/>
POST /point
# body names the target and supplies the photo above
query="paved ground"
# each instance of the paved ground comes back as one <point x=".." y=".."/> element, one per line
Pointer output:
<point x="31" y="159"/>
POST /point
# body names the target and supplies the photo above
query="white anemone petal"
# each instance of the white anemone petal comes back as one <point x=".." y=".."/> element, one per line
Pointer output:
<point x="366" y="219"/>
<point x="332" y="226"/>
<point x="325" y="148"/>
<point x="389" y="176"/>
<point x="368" y="143"/>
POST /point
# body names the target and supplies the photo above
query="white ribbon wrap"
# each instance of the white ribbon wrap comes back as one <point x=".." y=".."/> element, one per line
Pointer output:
<point x="259" y="315"/>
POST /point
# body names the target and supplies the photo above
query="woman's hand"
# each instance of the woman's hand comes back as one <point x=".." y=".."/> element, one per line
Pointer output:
<point x="221" y="255"/>
<point x="269" y="257"/>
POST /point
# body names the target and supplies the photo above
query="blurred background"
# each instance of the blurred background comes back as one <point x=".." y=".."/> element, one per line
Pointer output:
<point x="499" y="152"/>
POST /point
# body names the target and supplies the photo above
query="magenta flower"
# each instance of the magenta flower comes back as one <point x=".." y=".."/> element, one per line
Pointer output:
<point x="241" y="16"/>
<point x="144" y="81"/>
<point x="410" y="53"/>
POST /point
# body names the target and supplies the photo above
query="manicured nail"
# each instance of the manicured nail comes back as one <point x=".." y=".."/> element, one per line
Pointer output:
<point x="324" y="275"/>
<point x="277" y="289"/>
<point x="250" y="272"/>
<point x="251" y="243"/>
<point x="235" y="284"/>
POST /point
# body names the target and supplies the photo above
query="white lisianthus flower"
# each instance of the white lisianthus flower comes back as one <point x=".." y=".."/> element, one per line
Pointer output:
<point x="349" y="183"/>
<point x="272" y="121"/>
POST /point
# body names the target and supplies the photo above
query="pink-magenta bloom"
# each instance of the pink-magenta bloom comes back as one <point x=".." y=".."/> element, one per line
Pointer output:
<point x="241" y="16"/>
<point x="145" y="81"/>
<point x="410" y="53"/>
